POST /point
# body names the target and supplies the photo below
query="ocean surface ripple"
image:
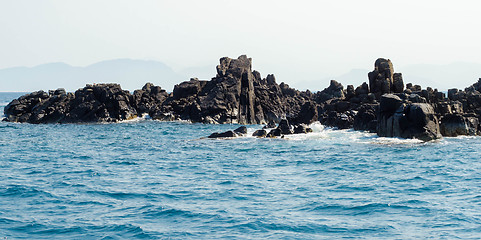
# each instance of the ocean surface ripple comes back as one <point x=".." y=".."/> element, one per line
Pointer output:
<point x="146" y="179"/>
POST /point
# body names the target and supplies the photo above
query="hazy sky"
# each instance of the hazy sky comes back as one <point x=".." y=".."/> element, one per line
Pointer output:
<point x="296" y="40"/>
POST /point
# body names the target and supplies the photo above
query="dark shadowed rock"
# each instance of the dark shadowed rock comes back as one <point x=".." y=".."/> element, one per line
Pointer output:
<point x="366" y="118"/>
<point x="383" y="79"/>
<point x="276" y="132"/>
<point x="241" y="130"/>
<point x="407" y="120"/>
<point x="149" y="100"/>
<point x="453" y="125"/>
<point x="260" y="133"/>
<point x="308" y="114"/>
<point x="93" y="103"/>
<point x="284" y="127"/>
<point x="228" y="134"/>
<point x="302" y="128"/>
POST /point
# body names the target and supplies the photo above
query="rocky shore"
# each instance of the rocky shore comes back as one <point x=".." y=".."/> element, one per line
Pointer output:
<point x="238" y="94"/>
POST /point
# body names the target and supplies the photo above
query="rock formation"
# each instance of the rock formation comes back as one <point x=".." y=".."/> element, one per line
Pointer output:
<point x="383" y="79"/>
<point x="238" y="94"/>
<point x="93" y="103"/>
<point x="401" y="118"/>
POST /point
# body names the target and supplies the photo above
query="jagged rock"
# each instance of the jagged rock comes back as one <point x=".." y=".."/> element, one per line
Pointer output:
<point x="366" y="118"/>
<point x="236" y="95"/>
<point x="149" y="99"/>
<point x="407" y="120"/>
<point x="308" y="113"/>
<point x="284" y="127"/>
<point x="93" y="103"/>
<point x="335" y="90"/>
<point x="398" y="83"/>
<point x="383" y="79"/>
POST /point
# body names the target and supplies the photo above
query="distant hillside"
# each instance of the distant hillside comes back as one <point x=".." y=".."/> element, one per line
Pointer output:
<point x="133" y="74"/>
<point x="130" y="74"/>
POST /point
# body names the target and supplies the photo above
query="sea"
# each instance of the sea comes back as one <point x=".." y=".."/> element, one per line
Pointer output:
<point x="146" y="179"/>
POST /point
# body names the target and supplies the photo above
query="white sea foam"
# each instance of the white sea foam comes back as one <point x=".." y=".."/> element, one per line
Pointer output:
<point x="393" y="141"/>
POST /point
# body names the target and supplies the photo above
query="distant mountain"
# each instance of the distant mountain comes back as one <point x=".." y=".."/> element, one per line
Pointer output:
<point x="133" y="74"/>
<point x="130" y="74"/>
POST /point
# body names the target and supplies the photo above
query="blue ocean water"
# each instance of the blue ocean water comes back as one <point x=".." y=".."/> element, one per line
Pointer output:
<point x="146" y="179"/>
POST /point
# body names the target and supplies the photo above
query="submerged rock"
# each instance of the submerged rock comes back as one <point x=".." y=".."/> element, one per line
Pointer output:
<point x="241" y="130"/>
<point x="228" y="134"/>
<point x="260" y="133"/>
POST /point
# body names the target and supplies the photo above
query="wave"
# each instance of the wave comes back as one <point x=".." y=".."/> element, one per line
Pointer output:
<point x="23" y="191"/>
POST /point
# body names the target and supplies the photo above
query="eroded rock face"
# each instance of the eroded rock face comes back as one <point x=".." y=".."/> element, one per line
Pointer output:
<point x="236" y="95"/>
<point x="400" y="118"/>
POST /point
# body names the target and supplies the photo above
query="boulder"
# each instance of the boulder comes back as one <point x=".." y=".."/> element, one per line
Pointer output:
<point x="276" y="132"/>
<point x="241" y="130"/>
<point x="453" y="125"/>
<point x="302" y="128"/>
<point x="228" y="134"/>
<point x="407" y="120"/>
<point x="260" y="133"/>
<point x="284" y="127"/>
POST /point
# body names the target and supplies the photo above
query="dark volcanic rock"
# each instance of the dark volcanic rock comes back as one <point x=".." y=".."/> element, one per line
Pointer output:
<point x="308" y="114"/>
<point x="93" y="103"/>
<point x="241" y="130"/>
<point x="260" y="133"/>
<point x="276" y="132"/>
<point x="271" y="124"/>
<point x="302" y="128"/>
<point x="383" y="79"/>
<point x="100" y="103"/>
<point x="366" y="118"/>
<point x="284" y="127"/>
<point x="453" y="125"/>
<point x="407" y="120"/>
<point x="228" y="134"/>
<point x="149" y="100"/>
<point x="236" y="95"/>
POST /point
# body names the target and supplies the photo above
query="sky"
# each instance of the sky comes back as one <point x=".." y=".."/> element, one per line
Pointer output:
<point x="296" y="40"/>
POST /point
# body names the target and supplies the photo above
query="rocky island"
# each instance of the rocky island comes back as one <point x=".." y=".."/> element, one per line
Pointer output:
<point x="238" y="94"/>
